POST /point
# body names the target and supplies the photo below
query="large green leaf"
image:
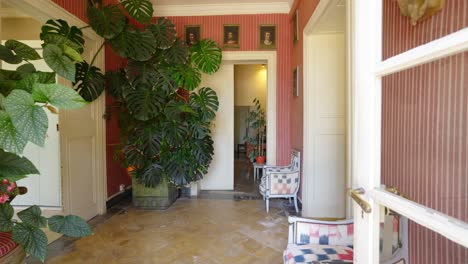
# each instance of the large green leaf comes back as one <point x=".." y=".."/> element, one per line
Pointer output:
<point x="164" y="32"/>
<point x="165" y="81"/>
<point x="206" y="55"/>
<point x="174" y="131"/>
<point x="150" y="175"/>
<point x="32" y="239"/>
<point x="60" y="41"/>
<point x="26" y="69"/>
<point x="91" y="81"/>
<point x="72" y="54"/>
<point x="61" y="28"/>
<point x="29" y="119"/>
<point x="38" y="77"/>
<point x="10" y="139"/>
<point x="57" y="95"/>
<point x="141" y="73"/>
<point x="8" y="56"/>
<point x="22" y="50"/>
<point x="143" y="102"/>
<point x="174" y="109"/>
<point x="108" y="21"/>
<point x="13" y="165"/>
<point x="33" y="216"/>
<point x="141" y="10"/>
<point x="70" y="225"/>
<point x="134" y="44"/>
<point x="206" y="103"/>
<point x="177" y="54"/>
<point x="6" y="214"/>
<point x="116" y="83"/>
<point x="9" y="81"/>
<point x="187" y="77"/>
<point x="59" y="62"/>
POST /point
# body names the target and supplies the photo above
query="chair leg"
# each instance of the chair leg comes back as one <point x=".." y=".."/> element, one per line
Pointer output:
<point x="267" y="205"/>
<point x="295" y="204"/>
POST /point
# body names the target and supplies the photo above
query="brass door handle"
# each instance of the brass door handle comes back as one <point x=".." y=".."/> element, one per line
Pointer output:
<point x="356" y="195"/>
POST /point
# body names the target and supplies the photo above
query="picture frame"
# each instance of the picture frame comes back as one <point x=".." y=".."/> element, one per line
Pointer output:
<point x="267" y="37"/>
<point x="97" y="3"/>
<point x="296" y="76"/>
<point x="192" y="34"/>
<point x="231" y="36"/>
<point x="296" y="26"/>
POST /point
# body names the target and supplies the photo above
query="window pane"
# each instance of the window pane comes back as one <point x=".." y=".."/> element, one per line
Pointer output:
<point x="399" y="35"/>
<point x="425" y="143"/>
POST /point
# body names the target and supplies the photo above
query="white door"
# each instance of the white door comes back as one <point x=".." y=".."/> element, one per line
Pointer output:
<point x="325" y="127"/>
<point x="220" y="175"/>
<point x="366" y="139"/>
<point x="43" y="189"/>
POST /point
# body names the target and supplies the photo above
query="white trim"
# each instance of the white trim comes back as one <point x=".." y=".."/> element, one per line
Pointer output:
<point x="42" y="10"/>
<point x="222" y="9"/>
<point x="350" y="108"/>
<point x="12" y="13"/>
<point x="319" y="12"/>
<point x="449" y="45"/>
<point x="243" y="57"/>
<point x="452" y="228"/>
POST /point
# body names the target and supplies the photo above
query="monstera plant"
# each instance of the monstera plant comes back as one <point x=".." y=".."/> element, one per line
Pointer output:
<point x="164" y="119"/>
<point x="25" y="96"/>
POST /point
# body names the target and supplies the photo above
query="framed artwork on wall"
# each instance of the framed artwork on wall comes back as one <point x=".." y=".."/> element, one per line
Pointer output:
<point x="296" y="26"/>
<point x="296" y="81"/>
<point x="231" y="36"/>
<point x="192" y="34"/>
<point x="267" y="37"/>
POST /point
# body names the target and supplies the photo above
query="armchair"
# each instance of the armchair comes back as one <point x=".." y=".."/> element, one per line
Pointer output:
<point x="282" y="181"/>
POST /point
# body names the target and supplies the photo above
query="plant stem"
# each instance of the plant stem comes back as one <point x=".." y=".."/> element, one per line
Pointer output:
<point x="95" y="55"/>
<point x="81" y="28"/>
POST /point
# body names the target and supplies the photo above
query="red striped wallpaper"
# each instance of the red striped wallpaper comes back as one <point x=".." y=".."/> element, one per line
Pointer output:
<point x="425" y="127"/>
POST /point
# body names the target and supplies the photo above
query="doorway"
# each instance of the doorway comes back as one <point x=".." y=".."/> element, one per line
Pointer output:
<point x="325" y="113"/>
<point x="250" y="85"/>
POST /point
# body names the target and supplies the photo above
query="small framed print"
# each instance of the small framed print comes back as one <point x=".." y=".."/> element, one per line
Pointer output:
<point x="296" y="82"/>
<point x="192" y="34"/>
<point x="267" y="37"/>
<point x="231" y="36"/>
<point x="296" y="26"/>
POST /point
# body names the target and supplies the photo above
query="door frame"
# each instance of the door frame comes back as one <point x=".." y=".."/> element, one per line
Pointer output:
<point x="320" y="11"/>
<point x="262" y="57"/>
<point x="42" y="10"/>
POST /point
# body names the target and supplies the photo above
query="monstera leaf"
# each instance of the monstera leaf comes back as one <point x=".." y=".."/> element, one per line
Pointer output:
<point x="116" y="82"/>
<point x="187" y="77"/>
<point x="165" y="82"/>
<point x="203" y="151"/>
<point x="90" y="80"/>
<point x="133" y="44"/>
<point x="59" y="32"/>
<point x="174" y="109"/>
<point x="206" y="55"/>
<point x="141" y="10"/>
<point x="174" y="131"/>
<point x="59" y="62"/>
<point x="143" y="102"/>
<point x="150" y="175"/>
<point x="206" y="103"/>
<point x="141" y="73"/>
<point x="107" y="21"/>
<point x="164" y="32"/>
<point x="8" y="56"/>
<point x="22" y="50"/>
<point x="177" y="54"/>
<point x="29" y="119"/>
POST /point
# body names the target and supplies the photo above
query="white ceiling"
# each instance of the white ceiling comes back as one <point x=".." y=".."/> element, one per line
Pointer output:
<point x="334" y="20"/>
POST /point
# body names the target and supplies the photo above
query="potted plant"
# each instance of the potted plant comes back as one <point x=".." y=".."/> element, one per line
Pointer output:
<point x="256" y="120"/>
<point x="164" y="119"/>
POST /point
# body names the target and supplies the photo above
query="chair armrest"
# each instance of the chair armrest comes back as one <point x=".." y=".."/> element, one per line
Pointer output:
<point x="294" y="219"/>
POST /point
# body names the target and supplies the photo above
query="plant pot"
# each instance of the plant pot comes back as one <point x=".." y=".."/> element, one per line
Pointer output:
<point x="159" y="198"/>
<point x="260" y="159"/>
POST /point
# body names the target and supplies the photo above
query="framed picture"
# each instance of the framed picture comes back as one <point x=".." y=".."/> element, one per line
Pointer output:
<point x="95" y="3"/>
<point x="267" y="37"/>
<point x="296" y="26"/>
<point x="231" y="36"/>
<point x="192" y="34"/>
<point x="296" y="82"/>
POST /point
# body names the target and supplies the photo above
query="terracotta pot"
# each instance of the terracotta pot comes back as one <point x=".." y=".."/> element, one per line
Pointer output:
<point x="260" y="159"/>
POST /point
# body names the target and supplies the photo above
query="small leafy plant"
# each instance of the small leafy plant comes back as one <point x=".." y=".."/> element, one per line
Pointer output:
<point x="256" y="120"/>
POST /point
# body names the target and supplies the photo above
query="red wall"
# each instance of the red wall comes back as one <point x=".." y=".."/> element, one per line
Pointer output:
<point x="425" y="127"/>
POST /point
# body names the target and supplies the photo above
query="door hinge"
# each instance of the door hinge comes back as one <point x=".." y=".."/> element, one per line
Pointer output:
<point x="58" y="128"/>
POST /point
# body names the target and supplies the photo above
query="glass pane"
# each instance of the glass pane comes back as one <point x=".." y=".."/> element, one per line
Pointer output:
<point x="400" y="35"/>
<point x="425" y="144"/>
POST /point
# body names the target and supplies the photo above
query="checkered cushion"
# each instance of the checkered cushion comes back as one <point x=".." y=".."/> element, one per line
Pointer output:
<point x="323" y="234"/>
<point x="284" y="183"/>
<point x="278" y="169"/>
<point x="6" y="244"/>
<point x="322" y="253"/>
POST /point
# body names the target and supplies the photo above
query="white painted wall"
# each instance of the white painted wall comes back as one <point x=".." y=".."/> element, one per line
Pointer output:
<point x="220" y="175"/>
<point x="325" y="126"/>
<point x="20" y="28"/>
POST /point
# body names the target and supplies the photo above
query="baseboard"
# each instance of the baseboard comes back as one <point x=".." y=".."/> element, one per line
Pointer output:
<point x="118" y="197"/>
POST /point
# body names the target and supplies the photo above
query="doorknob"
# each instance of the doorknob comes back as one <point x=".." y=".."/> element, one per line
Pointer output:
<point x="356" y="195"/>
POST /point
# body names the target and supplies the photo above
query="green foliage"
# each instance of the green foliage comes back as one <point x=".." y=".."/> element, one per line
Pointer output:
<point x="32" y="239"/>
<point x="90" y="80"/>
<point x="164" y="32"/>
<point x="12" y="165"/>
<point x="10" y="139"/>
<point x="57" y="95"/>
<point x="6" y="214"/>
<point x="134" y="44"/>
<point x="59" y="62"/>
<point x="141" y="10"/>
<point x="58" y="32"/>
<point x="187" y="77"/>
<point x="257" y="121"/>
<point x="70" y="225"/>
<point x="107" y="21"/>
<point x="206" y="55"/>
<point x="22" y="50"/>
<point x="32" y="216"/>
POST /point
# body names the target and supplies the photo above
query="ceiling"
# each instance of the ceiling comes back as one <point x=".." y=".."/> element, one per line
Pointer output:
<point x="334" y="19"/>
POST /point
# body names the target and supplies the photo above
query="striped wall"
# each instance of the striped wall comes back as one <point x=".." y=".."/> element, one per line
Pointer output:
<point x="425" y="127"/>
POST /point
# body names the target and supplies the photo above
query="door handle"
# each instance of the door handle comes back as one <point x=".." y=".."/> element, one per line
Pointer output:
<point x="356" y="195"/>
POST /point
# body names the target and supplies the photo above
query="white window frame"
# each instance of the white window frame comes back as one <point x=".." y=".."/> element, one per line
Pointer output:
<point x="368" y="71"/>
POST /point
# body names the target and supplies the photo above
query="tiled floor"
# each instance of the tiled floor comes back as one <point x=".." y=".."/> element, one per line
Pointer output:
<point x="211" y="229"/>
